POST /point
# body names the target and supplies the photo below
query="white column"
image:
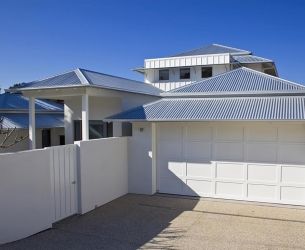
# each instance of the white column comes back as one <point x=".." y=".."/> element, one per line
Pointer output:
<point x="32" y="125"/>
<point x="85" y="117"/>
<point x="154" y="185"/>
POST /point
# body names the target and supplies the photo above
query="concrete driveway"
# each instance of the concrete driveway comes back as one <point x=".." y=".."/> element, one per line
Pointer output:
<point x="168" y="222"/>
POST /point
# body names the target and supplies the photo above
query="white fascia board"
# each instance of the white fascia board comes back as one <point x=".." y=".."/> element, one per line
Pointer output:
<point x="185" y="61"/>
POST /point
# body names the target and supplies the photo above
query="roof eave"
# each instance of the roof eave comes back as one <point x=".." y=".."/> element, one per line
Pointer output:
<point x="81" y="86"/>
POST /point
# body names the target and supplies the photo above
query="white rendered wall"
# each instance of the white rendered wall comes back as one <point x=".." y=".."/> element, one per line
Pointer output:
<point x="25" y="194"/>
<point x="140" y="159"/>
<point x="101" y="107"/>
<point x="103" y="167"/>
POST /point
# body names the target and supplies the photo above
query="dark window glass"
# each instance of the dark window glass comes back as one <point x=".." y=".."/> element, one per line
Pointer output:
<point x="77" y="130"/>
<point x="163" y="74"/>
<point x="46" y="138"/>
<point x="185" y="73"/>
<point x="206" y="72"/>
<point x="62" y="140"/>
<point x="126" y="129"/>
<point x="97" y="129"/>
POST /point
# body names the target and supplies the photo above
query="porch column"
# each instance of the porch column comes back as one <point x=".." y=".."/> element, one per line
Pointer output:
<point x="85" y="117"/>
<point x="32" y="125"/>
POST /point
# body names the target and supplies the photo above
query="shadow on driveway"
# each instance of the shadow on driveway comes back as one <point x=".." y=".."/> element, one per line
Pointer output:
<point x="169" y="222"/>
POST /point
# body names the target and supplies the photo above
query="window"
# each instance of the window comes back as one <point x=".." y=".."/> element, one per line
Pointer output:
<point x="206" y="72"/>
<point x="126" y="129"/>
<point x="46" y="138"/>
<point x="61" y="140"/>
<point x="185" y="73"/>
<point x="163" y="74"/>
<point x="97" y="129"/>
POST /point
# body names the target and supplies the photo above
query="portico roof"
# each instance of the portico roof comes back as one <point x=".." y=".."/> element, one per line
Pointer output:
<point x="82" y="78"/>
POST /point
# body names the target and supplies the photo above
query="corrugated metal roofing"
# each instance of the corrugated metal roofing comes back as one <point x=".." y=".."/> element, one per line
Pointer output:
<point x="42" y="120"/>
<point x="210" y="109"/>
<point x="81" y="77"/>
<point x="212" y="49"/>
<point x="9" y="101"/>
<point x="239" y="80"/>
<point x="119" y="83"/>
<point x="250" y="59"/>
<point x="66" y="79"/>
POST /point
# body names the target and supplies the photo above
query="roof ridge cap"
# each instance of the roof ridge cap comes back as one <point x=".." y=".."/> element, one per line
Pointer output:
<point x="274" y="77"/>
<point x="229" y="47"/>
<point x="81" y="76"/>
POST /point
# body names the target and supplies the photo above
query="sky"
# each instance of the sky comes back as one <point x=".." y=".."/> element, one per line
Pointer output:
<point x="41" y="38"/>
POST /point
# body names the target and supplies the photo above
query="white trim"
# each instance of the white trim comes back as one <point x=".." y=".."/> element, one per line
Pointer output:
<point x="85" y="117"/>
<point x="81" y="77"/>
<point x="32" y="125"/>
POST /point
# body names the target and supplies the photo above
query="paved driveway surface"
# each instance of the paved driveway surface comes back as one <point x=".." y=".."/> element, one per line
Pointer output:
<point x="167" y="222"/>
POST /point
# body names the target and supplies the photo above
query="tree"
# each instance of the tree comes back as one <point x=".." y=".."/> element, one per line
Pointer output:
<point x="9" y="136"/>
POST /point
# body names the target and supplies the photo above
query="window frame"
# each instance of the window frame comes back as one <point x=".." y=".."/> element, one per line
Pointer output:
<point x="205" y="67"/>
<point x="188" y="68"/>
<point x="164" y="70"/>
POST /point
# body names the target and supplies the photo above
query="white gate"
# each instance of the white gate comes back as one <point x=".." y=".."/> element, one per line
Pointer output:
<point x="63" y="180"/>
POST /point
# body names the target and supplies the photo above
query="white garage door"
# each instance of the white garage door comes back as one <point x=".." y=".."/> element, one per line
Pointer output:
<point x="244" y="161"/>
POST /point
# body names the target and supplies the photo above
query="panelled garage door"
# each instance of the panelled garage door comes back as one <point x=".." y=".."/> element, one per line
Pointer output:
<point x="256" y="161"/>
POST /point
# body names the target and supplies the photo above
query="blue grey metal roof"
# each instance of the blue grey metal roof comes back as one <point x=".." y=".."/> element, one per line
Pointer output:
<point x="239" y="80"/>
<point x="212" y="49"/>
<point x="21" y="120"/>
<point x="10" y="101"/>
<point x="250" y="59"/>
<point x="119" y="83"/>
<point x="14" y="112"/>
<point x="82" y="77"/>
<point x="217" y="109"/>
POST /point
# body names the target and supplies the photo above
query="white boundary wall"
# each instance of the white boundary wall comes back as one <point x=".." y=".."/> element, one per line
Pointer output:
<point x="25" y="194"/>
<point x="40" y="187"/>
<point x="103" y="171"/>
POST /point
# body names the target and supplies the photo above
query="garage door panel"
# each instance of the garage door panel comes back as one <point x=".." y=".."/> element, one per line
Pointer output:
<point x="199" y="170"/>
<point x="229" y="133"/>
<point x="170" y="132"/>
<point x="229" y="189"/>
<point x="171" y="169"/>
<point x="198" y="150"/>
<point x="293" y="174"/>
<point x="198" y="187"/>
<point x="293" y="133"/>
<point x="225" y="151"/>
<point x="261" y="152"/>
<point x="171" y="185"/>
<point x="262" y="173"/>
<point x="258" y="161"/>
<point x="291" y="153"/>
<point x="171" y="150"/>
<point x="233" y="171"/>
<point x="259" y="192"/>
<point x="197" y="132"/>
<point x="261" y="133"/>
<point x="294" y="194"/>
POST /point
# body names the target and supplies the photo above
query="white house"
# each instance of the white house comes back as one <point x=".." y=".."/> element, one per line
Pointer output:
<point x="88" y="98"/>
<point x="14" y="115"/>
<point x="184" y="68"/>
<point x="239" y="133"/>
